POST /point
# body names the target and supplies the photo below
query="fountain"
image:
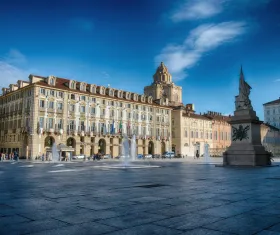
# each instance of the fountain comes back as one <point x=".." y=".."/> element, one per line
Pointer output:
<point x="55" y="154"/>
<point x="133" y="148"/>
<point x="128" y="154"/>
<point x="206" y="153"/>
<point x="125" y="151"/>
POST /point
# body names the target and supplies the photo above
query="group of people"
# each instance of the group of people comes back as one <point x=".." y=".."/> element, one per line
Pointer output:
<point x="97" y="156"/>
<point x="48" y="157"/>
<point x="9" y="156"/>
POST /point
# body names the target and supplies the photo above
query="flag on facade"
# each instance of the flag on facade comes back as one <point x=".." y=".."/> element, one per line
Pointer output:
<point x="120" y="127"/>
<point x="112" y="127"/>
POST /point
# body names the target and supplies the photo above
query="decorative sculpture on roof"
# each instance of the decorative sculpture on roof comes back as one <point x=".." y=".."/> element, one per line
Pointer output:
<point x="242" y="101"/>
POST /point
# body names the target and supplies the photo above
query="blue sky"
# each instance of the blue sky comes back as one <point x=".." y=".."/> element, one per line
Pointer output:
<point x="121" y="42"/>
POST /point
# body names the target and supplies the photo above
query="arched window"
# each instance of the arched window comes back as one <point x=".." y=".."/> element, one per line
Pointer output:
<point x="52" y="81"/>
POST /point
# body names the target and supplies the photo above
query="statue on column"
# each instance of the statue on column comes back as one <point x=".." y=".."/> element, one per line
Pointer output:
<point x="242" y="101"/>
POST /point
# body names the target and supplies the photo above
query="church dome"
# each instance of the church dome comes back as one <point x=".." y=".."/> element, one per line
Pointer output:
<point x="162" y="75"/>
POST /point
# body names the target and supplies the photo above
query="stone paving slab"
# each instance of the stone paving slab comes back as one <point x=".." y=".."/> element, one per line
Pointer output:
<point x="178" y="198"/>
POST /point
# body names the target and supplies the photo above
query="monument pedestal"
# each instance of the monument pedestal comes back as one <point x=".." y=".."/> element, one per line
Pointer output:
<point x="246" y="148"/>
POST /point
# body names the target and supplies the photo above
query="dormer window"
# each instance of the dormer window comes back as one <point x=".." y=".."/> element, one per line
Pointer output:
<point x="93" y="89"/>
<point x="111" y="93"/>
<point x="51" y="80"/>
<point x="72" y="85"/>
<point x="82" y="86"/>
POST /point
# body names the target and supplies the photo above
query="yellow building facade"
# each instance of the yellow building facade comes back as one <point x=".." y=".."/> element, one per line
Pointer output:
<point x="190" y="131"/>
<point x="37" y="113"/>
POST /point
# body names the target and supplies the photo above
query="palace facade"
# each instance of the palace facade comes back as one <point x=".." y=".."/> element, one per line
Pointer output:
<point x="37" y="113"/>
<point x="88" y="119"/>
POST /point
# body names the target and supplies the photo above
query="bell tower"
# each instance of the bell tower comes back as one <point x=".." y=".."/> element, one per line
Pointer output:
<point x="163" y="88"/>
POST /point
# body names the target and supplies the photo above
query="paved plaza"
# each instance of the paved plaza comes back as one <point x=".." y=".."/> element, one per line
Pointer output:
<point x="180" y="197"/>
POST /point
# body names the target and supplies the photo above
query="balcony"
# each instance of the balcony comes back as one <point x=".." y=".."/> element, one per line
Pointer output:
<point x="50" y="130"/>
<point x="59" y="131"/>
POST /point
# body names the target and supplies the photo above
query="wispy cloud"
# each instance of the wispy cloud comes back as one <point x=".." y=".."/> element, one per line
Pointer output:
<point x="82" y="24"/>
<point x="277" y="80"/>
<point x="197" y="9"/>
<point x="105" y="74"/>
<point x="201" y="40"/>
<point x="10" y="68"/>
<point x="14" y="56"/>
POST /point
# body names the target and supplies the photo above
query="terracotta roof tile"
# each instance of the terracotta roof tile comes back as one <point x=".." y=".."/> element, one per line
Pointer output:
<point x="61" y="84"/>
<point x="273" y="102"/>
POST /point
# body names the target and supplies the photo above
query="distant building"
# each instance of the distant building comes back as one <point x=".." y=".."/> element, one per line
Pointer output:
<point x="272" y="113"/>
<point x="190" y="131"/>
<point x="221" y="131"/>
<point x="270" y="137"/>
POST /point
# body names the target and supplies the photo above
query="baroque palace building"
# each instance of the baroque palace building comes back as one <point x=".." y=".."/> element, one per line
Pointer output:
<point x="37" y="113"/>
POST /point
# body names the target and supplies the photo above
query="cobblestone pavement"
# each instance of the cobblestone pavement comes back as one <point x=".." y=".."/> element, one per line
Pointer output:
<point x="178" y="198"/>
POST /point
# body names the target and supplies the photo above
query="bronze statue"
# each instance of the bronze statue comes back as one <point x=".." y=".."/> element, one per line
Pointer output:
<point x="242" y="101"/>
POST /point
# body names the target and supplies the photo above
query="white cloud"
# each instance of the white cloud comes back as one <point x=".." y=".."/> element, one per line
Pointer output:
<point x="10" y="71"/>
<point x="14" y="56"/>
<point x="197" y="9"/>
<point x="105" y="74"/>
<point x="201" y="40"/>
<point x="277" y="80"/>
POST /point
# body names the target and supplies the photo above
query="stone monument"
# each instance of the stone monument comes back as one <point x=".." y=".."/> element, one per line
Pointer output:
<point x="246" y="148"/>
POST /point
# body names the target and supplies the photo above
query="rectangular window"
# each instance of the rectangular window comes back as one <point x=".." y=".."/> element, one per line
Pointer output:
<point x="83" y="98"/>
<point x="83" y="109"/>
<point x="60" y="94"/>
<point x="59" y="106"/>
<point x="186" y="133"/>
<point x="51" y="92"/>
<point x="42" y="104"/>
<point x="93" y="100"/>
<point x="128" y="105"/>
<point x="51" y="105"/>
<point x="191" y="134"/>
<point x="41" y="122"/>
<point x="43" y="91"/>
<point x="82" y="126"/>
<point x="50" y="123"/>
<point x="71" y="125"/>
<point x="72" y="108"/>
<point x="92" y="110"/>
<point x="60" y="124"/>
